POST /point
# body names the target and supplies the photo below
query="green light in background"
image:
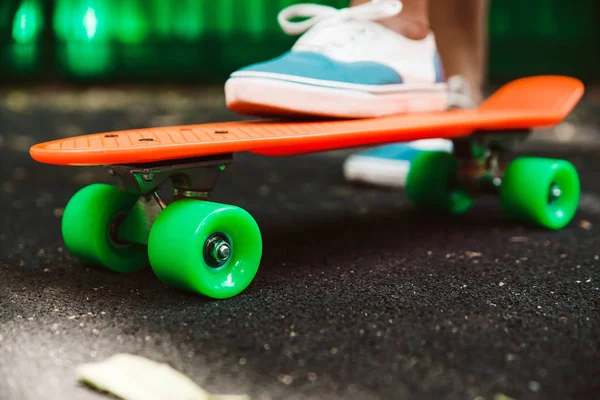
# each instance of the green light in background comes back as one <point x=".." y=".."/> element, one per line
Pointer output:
<point x="83" y="28"/>
<point x="188" y="21"/>
<point x="130" y="21"/>
<point x="225" y="17"/>
<point x="28" y="22"/>
<point x="184" y="20"/>
<point x="82" y="20"/>
<point x="89" y="59"/>
<point x="90" y="22"/>
<point x="24" y="56"/>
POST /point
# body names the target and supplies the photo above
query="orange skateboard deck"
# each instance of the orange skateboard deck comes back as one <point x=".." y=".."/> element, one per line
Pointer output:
<point x="522" y="104"/>
<point x="215" y="249"/>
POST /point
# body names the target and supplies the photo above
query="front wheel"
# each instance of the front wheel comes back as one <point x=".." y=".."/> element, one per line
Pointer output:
<point x="540" y="191"/>
<point x="204" y="247"/>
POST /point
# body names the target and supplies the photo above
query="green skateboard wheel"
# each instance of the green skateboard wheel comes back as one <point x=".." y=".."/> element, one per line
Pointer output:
<point x="89" y="228"/>
<point x="204" y="247"/>
<point x="430" y="183"/>
<point x="540" y="191"/>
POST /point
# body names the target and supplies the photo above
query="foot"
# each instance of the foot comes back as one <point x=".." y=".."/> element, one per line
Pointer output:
<point x="345" y="65"/>
<point x="388" y="165"/>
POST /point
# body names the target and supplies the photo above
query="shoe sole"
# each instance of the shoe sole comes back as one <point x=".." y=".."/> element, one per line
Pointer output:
<point x="265" y="96"/>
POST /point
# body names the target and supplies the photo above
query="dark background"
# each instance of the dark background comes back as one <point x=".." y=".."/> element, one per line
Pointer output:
<point x="202" y="41"/>
<point x="358" y="295"/>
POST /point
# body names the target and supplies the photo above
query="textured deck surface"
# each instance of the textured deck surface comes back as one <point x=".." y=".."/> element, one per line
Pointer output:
<point x="358" y="297"/>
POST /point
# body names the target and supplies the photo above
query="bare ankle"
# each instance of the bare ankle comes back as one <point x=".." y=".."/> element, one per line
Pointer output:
<point x="411" y="28"/>
<point x="412" y="22"/>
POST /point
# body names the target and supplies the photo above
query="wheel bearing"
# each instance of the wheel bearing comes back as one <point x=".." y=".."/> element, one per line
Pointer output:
<point x="217" y="250"/>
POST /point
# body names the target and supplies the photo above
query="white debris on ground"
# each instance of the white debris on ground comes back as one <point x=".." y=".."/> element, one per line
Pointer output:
<point x="132" y="377"/>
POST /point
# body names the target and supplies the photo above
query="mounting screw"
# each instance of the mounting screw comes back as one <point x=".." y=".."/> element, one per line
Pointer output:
<point x="217" y="250"/>
<point x="222" y="251"/>
<point x="147" y="175"/>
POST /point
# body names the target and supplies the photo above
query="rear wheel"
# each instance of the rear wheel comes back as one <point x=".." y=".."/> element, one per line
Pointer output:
<point x="540" y="191"/>
<point x="431" y="183"/>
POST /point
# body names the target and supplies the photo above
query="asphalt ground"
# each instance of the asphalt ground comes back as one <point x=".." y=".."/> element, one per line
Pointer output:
<point x="358" y="296"/>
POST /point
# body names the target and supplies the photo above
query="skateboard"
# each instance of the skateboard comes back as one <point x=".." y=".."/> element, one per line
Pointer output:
<point x="215" y="249"/>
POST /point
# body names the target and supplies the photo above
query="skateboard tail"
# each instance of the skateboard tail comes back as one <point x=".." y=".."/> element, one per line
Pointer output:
<point x="557" y="95"/>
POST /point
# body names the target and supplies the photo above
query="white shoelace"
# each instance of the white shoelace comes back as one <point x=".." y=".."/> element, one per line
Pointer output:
<point x="316" y="14"/>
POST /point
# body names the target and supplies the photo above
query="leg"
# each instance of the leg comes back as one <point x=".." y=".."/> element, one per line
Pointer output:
<point x="461" y="33"/>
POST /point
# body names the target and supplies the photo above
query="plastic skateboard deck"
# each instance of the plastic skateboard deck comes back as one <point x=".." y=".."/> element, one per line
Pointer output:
<point x="522" y="104"/>
<point x="215" y="249"/>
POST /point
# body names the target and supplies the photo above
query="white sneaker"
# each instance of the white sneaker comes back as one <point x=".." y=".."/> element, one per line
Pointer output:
<point x="388" y="165"/>
<point x="344" y="65"/>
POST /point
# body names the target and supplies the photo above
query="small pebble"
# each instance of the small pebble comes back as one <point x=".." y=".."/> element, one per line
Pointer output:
<point x="264" y="190"/>
<point x="585" y="224"/>
<point x="519" y="239"/>
<point x="501" y="396"/>
<point x="286" y="379"/>
<point x="534" y="386"/>
<point x="8" y="187"/>
<point x="19" y="173"/>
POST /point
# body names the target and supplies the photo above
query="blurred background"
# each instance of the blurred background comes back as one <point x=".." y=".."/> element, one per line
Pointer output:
<point x="204" y="40"/>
